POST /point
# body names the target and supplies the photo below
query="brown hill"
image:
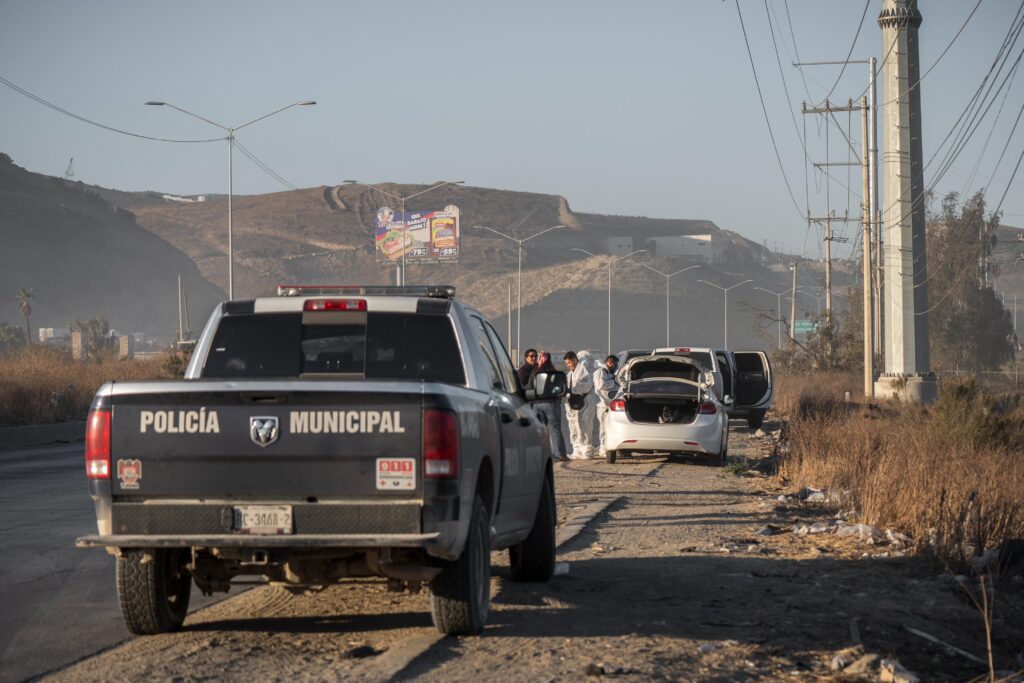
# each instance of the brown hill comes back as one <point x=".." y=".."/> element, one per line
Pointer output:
<point x="82" y="257"/>
<point x="325" y="235"/>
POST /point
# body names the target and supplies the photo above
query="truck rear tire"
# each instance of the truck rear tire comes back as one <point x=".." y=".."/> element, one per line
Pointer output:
<point x="153" y="593"/>
<point x="534" y="558"/>
<point x="461" y="594"/>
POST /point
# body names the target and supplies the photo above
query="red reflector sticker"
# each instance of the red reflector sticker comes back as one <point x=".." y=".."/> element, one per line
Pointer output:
<point x="396" y="474"/>
<point x="129" y="472"/>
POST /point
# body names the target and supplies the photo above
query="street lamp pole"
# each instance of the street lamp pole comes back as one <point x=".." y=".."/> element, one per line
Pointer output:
<point x="519" y="275"/>
<point x="405" y="223"/>
<point x="611" y="262"/>
<point x="231" y="149"/>
<point x="725" y="315"/>
<point x="778" y="298"/>
<point x="668" y="277"/>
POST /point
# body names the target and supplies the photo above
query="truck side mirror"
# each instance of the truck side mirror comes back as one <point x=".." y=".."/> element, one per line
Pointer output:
<point x="546" y="386"/>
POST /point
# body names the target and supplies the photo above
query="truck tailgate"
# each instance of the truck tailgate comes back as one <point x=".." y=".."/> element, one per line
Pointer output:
<point x="268" y="443"/>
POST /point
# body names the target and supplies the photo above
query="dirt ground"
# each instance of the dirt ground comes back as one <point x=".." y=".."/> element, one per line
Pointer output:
<point x="670" y="581"/>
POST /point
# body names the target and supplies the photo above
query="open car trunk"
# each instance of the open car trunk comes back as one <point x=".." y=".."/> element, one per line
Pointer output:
<point x="662" y="390"/>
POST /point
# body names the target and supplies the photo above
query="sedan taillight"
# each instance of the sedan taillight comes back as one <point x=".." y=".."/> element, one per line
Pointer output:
<point x="618" y="405"/>
<point x="97" y="445"/>
<point x="707" y="408"/>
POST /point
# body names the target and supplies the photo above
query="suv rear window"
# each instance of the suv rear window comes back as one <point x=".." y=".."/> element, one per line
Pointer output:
<point x="370" y="346"/>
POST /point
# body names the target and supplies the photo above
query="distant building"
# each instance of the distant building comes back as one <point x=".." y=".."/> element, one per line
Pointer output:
<point x="706" y="247"/>
<point x="53" y="335"/>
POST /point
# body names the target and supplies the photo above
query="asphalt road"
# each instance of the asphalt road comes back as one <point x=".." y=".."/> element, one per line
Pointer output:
<point x="59" y="603"/>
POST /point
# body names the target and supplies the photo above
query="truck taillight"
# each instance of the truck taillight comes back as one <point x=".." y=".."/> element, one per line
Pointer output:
<point x="440" y="444"/>
<point x="97" y="445"/>
<point x="618" y="405"/>
<point x="707" y="408"/>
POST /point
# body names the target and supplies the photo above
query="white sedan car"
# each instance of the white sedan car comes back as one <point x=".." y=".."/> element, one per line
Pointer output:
<point x="665" y="405"/>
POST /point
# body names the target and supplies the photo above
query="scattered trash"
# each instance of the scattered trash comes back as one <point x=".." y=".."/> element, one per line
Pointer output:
<point x="845" y="658"/>
<point x="894" y="672"/>
<point x="769" y="530"/>
<point x="759" y="434"/>
<point x="864" y="532"/>
<point x="706" y="648"/>
<point x="896" y="538"/>
<point x="865" y="664"/>
<point x="602" y="669"/>
<point x="783" y="499"/>
<point x="811" y="495"/>
<point x="981" y="562"/>
<point x="561" y="569"/>
<point x="816" y="528"/>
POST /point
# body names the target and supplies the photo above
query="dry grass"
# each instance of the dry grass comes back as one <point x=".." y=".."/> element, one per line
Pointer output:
<point x="41" y="385"/>
<point x="949" y="475"/>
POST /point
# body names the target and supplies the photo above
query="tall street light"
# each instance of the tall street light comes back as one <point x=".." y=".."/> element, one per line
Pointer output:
<point x="230" y="130"/>
<point x="668" y="277"/>
<point x="611" y="263"/>
<point x="402" y="198"/>
<point x="725" y="317"/>
<point x="519" y="276"/>
<point x="778" y="297"/>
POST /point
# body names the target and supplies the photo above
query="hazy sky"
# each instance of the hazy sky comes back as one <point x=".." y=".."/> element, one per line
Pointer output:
<point x="639" y="108"/>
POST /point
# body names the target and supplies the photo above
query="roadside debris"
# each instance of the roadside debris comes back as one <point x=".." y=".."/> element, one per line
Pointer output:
<point x="769" y="530"/>
<point x="891" y="671"/>
<point x="864" y="532"/>
<point x="561" y="569"/>
<point x="816" y="528"/>
<point x="602" y="669"/>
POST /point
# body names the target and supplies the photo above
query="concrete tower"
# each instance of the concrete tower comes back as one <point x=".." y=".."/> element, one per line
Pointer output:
<point x="907" y="371"/>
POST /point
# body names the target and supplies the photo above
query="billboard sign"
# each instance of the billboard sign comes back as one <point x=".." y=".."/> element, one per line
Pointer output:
<point x="424" y="237"/>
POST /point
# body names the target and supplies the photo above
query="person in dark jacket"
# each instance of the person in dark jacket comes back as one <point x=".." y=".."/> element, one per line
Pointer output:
<point x="551" y="408"/>
<point x="529" y="363"/>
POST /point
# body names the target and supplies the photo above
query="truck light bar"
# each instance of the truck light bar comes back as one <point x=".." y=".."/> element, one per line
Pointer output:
<point x="430" y="291"/>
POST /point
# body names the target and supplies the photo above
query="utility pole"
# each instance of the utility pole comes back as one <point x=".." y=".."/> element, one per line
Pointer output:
<point x="907" y="363"/>
<point x="829" y="110"/>
<point x="869" y="356"/>
<point x="873" y="212"/>
<point x="792" y="311"/>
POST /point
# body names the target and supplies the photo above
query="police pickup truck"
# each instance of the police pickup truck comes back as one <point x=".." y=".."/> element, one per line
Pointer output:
<point x="326" y="433"/>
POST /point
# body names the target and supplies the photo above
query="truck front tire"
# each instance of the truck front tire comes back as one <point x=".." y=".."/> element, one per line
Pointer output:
<point x="461" y="593"/>
<point x="534" y="558"/>
<point x="153" y="589"/>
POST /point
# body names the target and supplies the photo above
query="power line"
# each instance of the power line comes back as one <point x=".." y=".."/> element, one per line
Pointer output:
<point x="789" y="106"/>
<point x="764" y="109"/>
<point x="83" y="119"/>
<point x="273" y="174"/>
<point x="852" y="45"/>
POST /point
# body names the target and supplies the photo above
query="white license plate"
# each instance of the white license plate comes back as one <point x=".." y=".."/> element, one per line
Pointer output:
<point x="263" y="519"/>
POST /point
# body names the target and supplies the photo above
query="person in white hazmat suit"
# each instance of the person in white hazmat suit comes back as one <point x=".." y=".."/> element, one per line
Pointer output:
<point x="580" y="418"/>
<point x="605" y="388"/>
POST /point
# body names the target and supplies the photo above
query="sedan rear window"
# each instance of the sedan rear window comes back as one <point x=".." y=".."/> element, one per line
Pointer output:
<point x="370" y="346"/>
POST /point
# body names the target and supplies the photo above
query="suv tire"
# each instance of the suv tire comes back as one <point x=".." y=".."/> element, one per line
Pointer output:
<point x="534" y="558"/>
<point x="612" y="457"/>
<point x="461" y="594"/>
<point x="756" y="419"/>
<point x="153" y="593"/>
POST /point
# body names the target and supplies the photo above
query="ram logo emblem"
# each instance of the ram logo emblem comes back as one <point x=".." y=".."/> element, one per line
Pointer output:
<point x="263" y="430"/>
